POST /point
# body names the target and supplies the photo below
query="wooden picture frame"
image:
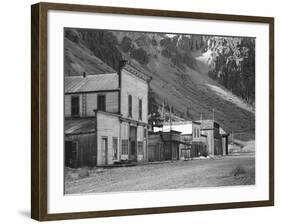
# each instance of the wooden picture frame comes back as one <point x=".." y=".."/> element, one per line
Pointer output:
<point x="39" y="108"/>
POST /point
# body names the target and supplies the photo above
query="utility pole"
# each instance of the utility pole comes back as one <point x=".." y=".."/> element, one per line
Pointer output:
<point x="171" y="133"/>
<point x="163" y="110"/>
<point x="250" y="89"/>
<point x="163" y="114"/>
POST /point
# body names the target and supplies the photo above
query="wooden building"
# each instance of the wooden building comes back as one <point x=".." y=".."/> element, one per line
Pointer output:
<point x="80" y="144"/>
<point x="192" y="142"/>
<point x="164" y="146"/>
<point x="216" y="142"/>
<point x="198" y="138"/>
<point x="155" y="150"/>
<point x="116" y="106"/>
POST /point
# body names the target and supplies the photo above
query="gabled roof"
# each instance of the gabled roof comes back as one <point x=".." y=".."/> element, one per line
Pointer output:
<point x="76" y="126"/>
<point x="137" y="71"/>
<point x="102" y="82"/>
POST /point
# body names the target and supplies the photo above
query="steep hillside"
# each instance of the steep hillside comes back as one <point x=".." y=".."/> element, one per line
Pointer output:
<point x="179" y="66"/>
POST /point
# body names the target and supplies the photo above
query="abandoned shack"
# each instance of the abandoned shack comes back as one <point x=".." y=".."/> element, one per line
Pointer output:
<point x="80" y="144"/>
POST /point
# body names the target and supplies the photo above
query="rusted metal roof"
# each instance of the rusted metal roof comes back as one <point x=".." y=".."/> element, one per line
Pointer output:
<point x="74" y="84"/>
<point x="76" y="126"/>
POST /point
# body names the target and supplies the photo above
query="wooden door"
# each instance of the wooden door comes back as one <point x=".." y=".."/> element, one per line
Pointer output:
<point x="133" y="143"/>
<point x="133" y="150"/>
<point x="104" y="148"/>
<point x="71" y="154"/>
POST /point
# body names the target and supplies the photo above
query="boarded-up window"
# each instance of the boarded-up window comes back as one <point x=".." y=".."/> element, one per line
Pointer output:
<point x="130" y="108"/>
<point x="140" y="148"/>
<point x="125" y="148"/>
<point x="140" y="109"/>
<point x="115" y="147"/>
<point x="74" y="106"/>
<point x="101" y="102"/>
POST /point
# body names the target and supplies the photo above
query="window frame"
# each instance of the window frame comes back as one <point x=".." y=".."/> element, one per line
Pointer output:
<point x="140" y="109"/>
<point x="71" y="105"/>
<point x="140" y="143"/>
<point x="104" y="102"/>
<point x="130" y="105"/>
<point x="125" y="151"/>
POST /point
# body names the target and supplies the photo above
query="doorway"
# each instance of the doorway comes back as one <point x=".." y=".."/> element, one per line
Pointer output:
<point x="104" y="148"/>
<point x="133" y="145"/>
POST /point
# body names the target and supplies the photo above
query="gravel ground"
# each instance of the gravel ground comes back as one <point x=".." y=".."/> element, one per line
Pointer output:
<point x="167" y="175"/>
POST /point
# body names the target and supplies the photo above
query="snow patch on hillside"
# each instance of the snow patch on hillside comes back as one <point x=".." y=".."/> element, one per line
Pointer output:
<point x="204" y="64"/>
<point x="227" y="95"/>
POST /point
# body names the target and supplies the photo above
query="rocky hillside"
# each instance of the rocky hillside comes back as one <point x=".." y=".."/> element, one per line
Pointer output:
<point x="232" y="64"/>
<point x="187" y="71"/>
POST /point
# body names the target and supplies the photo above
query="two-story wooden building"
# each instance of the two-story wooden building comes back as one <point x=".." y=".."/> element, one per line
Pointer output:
<point x="217" y="139"/>
<point x="106" y="117"/>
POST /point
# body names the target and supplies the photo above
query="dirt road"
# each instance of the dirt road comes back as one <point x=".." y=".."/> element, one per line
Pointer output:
<point x="168" y="175"/>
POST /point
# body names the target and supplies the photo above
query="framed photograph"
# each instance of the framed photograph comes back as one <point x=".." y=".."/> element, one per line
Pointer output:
<point x="139" y="111"/>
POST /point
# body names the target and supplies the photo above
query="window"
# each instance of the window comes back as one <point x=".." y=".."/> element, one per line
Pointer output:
<point x="75" y="106"/>
<point x="115" y="147"/>
<point x="130" y="105"/>
<point x="101" y="103"/>
<point x="144" y="133"/>
<point x="140" y="109"/>
<point x="140" y="148"/>
<point x="194" y="133"/>
<point x="125" y="148"/>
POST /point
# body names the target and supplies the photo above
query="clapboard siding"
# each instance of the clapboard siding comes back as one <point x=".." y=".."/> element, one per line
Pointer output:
<point x="91" y="103"/>
<point x="107" y="126"/>
<point x="111" y="99"/>
<point x="87" y="149"/>
<point x="138" y="88"/>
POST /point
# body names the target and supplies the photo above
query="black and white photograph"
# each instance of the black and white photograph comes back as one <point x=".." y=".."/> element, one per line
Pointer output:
<point x="148" y="111"/>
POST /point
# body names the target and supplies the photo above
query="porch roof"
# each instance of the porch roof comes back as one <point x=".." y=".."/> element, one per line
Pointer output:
<point x="74" y="126"/>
